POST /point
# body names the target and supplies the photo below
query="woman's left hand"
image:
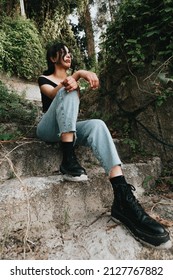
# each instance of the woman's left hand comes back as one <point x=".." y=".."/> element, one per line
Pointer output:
<point x="88" y="76"/>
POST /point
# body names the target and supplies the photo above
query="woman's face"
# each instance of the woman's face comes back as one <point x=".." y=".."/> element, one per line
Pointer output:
<point x="66" y="58"/>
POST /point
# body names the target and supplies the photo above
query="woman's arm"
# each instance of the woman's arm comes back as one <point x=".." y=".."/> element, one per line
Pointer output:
<point x="90" y="77"/>
<point x="70" y="83"/>
<point x="49" y="90"/>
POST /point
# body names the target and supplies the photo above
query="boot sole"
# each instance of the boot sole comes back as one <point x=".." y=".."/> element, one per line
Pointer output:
<point x="71" y="178"/>
<point x="166" y="245"/>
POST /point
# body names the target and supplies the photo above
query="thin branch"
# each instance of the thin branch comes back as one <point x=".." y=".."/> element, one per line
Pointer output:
<point x="18" y="146"/>
<point x="162" y="203"/>
<point x="158" y="68"/>
<point x="137" y="82"/>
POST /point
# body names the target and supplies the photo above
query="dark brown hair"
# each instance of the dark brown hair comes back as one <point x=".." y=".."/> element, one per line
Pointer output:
<point x="52" y="53"/>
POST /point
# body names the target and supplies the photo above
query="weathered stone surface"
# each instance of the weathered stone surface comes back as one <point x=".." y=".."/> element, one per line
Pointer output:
<point x="34" y="157"/>
<point x="60" y="220"/>
<point x="44" y="217"/>
<point x="47" y="218"/>
<point x="159" y="138"/>
<point x="127" y="98"/>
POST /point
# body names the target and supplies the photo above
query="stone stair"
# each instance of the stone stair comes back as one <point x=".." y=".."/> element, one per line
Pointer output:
<point x="44" y="217"/>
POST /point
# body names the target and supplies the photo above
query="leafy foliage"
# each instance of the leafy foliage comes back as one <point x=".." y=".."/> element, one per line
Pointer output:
<point x="14" y="108"/>
<point x="140" y="33"/>
<point x="41" y="10"/>
<point x="50" y="19"/>
<point x="136" y="49"/>
<point x="21" y="51"/>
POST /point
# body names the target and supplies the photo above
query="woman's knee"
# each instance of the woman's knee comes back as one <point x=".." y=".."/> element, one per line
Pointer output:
<point x="67" y="100"/>
<point x="97" y="123"/>
<point x="97" y="128"/>
<point x="65" y="94"/>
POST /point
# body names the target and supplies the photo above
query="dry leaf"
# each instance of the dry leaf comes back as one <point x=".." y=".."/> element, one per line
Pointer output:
<point x="164" y="222"/>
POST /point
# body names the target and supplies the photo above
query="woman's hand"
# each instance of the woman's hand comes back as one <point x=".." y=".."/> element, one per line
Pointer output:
<point x="89" y="76"/>
<point x="70" y="84"/>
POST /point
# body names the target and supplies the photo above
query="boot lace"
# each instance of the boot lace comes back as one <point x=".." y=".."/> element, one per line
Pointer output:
<point x="133" y="202"/>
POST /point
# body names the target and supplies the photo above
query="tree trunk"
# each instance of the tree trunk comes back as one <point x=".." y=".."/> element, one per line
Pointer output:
<point x="89" y="35"/>
<point x="22" y="8"/>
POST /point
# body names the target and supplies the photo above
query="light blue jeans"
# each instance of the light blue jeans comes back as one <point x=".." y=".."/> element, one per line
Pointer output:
<point x="62" y="117"/>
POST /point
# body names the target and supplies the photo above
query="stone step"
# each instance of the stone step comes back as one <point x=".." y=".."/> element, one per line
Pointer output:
<point x="29" y="90"/>
<point x="32" y="157"/>
<point x="44" y="217"/>
<point x="48" y="218"/>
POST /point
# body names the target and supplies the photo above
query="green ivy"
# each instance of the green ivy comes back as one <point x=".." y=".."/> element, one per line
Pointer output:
<point x="140" y="34"/>
<point x="21" y="51"/>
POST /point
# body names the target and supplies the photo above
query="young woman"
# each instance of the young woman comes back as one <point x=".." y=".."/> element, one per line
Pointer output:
<point x="60" y="99"/>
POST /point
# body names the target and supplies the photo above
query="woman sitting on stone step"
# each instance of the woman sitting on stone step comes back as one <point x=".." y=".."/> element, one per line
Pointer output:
<point x="60" y="100"/>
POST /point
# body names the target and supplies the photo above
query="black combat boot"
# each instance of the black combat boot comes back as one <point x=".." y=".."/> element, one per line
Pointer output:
<point x="70" y="167"/>
<point x="128" y="210"/>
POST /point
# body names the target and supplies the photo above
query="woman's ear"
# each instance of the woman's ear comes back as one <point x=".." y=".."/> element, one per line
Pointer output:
<point x="53" y="59"/>
<point x="56" y="58"/>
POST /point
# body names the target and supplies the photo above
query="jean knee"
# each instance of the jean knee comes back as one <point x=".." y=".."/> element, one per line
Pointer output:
<point x="63" y="93"/>
<point x="97" y="128"/>
<point x="99" y="124"/>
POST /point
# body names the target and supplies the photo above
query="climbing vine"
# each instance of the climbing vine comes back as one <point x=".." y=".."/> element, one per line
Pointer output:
<point x="140" y="34"/>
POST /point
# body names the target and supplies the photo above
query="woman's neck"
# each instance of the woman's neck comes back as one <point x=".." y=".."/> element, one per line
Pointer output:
<point x="60" y="73"/>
